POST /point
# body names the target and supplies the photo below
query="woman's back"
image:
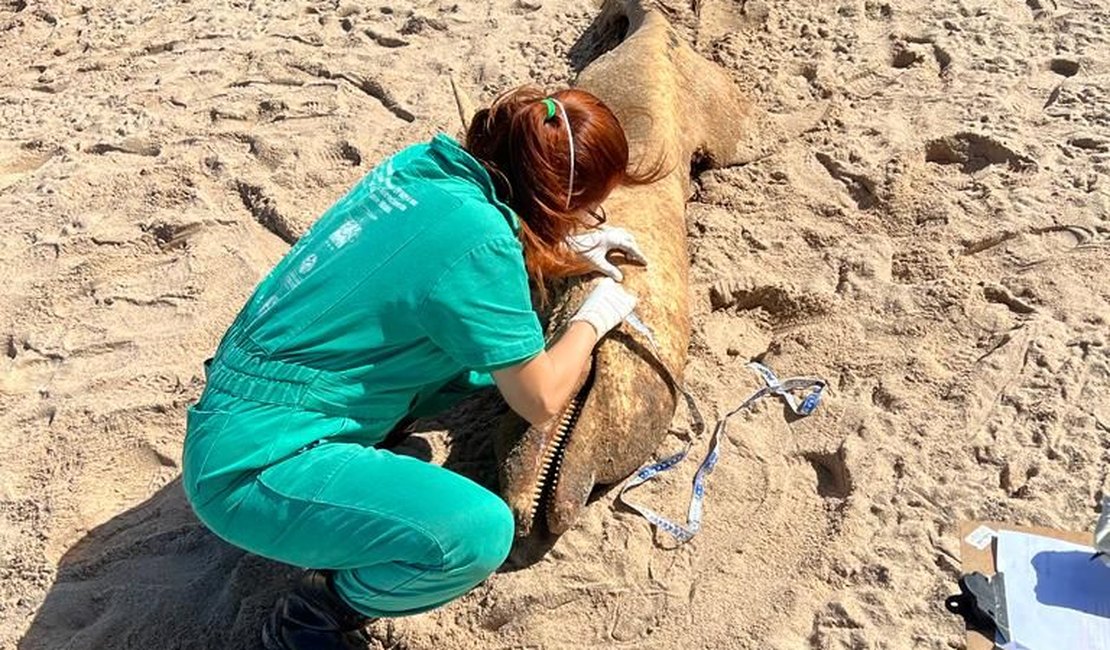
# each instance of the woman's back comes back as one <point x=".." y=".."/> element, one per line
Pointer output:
<point x="385" y="297"/>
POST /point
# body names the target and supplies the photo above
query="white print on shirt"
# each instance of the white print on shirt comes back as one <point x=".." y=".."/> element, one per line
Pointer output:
<point x="385" y="194"/>
<point x="345" y="233"/>
<point x="397" y="191"/>
<point x="268" y="305"/>
<point x="383" y="197"/>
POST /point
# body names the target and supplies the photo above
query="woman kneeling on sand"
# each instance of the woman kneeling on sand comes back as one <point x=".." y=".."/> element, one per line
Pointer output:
<point x="410" y="291"/>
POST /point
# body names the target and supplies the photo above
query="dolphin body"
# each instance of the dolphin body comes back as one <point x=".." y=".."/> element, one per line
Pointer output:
<point x="680" y="108"/>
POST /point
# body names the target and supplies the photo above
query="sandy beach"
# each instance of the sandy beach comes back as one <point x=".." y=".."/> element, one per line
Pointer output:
<point x="937" y="247"/>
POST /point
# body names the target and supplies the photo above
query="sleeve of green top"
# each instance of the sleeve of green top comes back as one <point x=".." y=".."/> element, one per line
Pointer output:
<point x="480" y="311"/>
<point x="451" y="393"/>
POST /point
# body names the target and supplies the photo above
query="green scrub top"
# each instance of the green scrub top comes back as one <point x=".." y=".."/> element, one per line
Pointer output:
<point x="412" y="280"/>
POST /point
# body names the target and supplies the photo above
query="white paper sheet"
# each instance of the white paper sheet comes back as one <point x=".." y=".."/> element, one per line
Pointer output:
<point x="981" y="537"/>
<point x="1056" y="597"/>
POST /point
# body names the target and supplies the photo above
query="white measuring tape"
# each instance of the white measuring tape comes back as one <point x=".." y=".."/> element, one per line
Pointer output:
<point x="774" y="386"/>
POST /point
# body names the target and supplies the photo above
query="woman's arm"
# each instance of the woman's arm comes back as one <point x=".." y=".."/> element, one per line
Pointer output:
<point x="536" y="389"/>
<point x="539" y="387"/>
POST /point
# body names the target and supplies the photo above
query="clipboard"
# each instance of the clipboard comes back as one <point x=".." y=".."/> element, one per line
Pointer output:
<point x="983" y="560"/>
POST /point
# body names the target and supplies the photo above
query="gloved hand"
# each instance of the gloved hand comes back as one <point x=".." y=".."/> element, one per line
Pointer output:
<point x="594" y="245"/>
<point x="606" y="306"/>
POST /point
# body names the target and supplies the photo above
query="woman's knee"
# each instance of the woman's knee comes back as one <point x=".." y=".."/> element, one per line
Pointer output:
<point x="485" y="543"/>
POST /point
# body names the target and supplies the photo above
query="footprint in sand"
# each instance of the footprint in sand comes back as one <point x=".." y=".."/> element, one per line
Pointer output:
<point x="914" y="51"/>
<point x="134" y="146"/>
<point x="834" y="478"/>
<point x="263" y="208"/>
<point x="782" y="303"/>
<point x="1044" y="244"/>
<point x="1035" y="246"/>
<point x="1064" y="67"/>
<point x="975" y="152"/>
<point x="19" y="159"/>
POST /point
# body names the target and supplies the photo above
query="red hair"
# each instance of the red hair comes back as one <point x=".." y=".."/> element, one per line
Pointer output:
<point x="528" y="155"/>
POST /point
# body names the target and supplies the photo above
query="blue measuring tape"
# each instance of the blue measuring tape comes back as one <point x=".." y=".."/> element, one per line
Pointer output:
<point x="783" y="388"/>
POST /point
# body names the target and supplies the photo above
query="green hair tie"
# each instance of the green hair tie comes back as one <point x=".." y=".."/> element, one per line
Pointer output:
<point x="550" y="104"/>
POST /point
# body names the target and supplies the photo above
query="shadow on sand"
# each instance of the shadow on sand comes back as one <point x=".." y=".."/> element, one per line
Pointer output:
<point x="154" y="578"/>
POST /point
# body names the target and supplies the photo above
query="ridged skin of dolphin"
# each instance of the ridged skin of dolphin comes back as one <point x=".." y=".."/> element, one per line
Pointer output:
<point x="674" y="105"/>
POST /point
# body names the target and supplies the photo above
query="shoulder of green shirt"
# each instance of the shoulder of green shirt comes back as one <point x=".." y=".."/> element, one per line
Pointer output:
<point x="495" y="244"/>
<point x="479" y="309"/>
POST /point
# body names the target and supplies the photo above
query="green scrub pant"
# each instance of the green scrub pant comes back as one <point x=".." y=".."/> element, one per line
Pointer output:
<point x="404" y="536"/>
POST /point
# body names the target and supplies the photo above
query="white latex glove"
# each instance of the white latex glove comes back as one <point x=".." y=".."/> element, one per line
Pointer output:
<point x="1102" y="533"/>
<point x="594" y="245"/>
<point x="606" y="307"/>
